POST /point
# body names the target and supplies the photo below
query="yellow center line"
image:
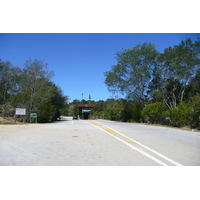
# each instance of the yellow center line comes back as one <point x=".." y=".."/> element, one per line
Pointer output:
<point x="94" y="123"/>
<point x="106" y="129"/>
<point x="132" y="142"/>
<point x="110" y="131"/>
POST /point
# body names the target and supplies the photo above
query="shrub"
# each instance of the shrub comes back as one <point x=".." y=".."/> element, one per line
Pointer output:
<point x="195" y="112"/>
<point x="180" y="116"/>
<point x="153" y="113"/>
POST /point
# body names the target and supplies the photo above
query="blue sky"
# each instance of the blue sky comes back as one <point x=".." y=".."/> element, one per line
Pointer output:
<point x="79" y="60"/>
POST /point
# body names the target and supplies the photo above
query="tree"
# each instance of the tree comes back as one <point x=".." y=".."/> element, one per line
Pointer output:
<point x="8" y="87"/>
<point x="34" y="86"/>
<point x="133" y="71"/>
<point x="50" y="109"/>
<point x="98" y="111"/>
<point x="30" y="88"/>
<point x="195" y="119"/>
<point x="176" y="67"/>
<point x="8" y="81"/>
<point x="194" y="85"/>
<point x="186" y="63"/>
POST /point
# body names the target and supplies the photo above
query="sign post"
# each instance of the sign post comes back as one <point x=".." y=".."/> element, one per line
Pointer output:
<point x="20" y="111"/>
<point x="33" y="115"/>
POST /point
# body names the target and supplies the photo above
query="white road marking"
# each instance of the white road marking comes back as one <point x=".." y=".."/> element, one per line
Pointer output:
<point x="142" y="152"/>
<point x="155" y="152"/>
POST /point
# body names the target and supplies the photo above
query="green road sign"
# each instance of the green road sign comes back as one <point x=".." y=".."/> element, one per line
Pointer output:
<point x="86" y="111"/>
<point x="33" y="115"/>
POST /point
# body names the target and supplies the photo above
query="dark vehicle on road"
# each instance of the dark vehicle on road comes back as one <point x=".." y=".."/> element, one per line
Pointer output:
<point x="75" y="117"/>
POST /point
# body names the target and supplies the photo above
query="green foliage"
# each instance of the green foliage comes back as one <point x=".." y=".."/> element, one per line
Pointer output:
<point x="185" y="114"/>
<point x="118" y="109"/>
<point x="64" y="111"/>
<point x="132" y="74"/>
<point x="134" y="111"/>
<point x="179" y="116"/>
<point x="98" y="111"/>
<point x="195" y="112"/>
<point x="8" y="81"/>
<point x="51" y="108"/>
<point x="167" y="83"/>
<point x="153" y="113"/>
<point x="30" y="88"/>
<point x="159" y="87"/>
<point x="175" y="69"/>
<point x="193" y="87"/>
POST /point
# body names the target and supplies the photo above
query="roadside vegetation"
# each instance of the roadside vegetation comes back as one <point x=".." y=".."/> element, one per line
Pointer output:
<point x="30" y="88"/>
<point x="160" y="88"/>
<point x="157" y="88"/>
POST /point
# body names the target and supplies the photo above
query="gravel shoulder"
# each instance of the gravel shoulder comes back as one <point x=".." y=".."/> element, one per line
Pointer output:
<point x="17" y="128"/>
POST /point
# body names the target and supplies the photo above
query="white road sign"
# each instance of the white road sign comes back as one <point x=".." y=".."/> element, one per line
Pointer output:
<point x="20" y="111"/>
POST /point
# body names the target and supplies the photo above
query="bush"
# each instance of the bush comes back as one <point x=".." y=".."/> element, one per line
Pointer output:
<point x="195" y="112"/>
<point x="134" y="111"/>
<point x="182" y="115"/>
<point x="153" y="113"/>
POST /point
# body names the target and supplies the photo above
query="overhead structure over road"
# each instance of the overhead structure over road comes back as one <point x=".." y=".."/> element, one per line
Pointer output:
<point x="85" y="110"/>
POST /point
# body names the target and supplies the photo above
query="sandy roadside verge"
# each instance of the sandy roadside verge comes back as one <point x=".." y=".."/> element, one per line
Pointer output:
<point x="17" y="128"/>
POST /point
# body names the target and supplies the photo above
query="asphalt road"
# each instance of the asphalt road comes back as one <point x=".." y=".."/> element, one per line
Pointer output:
<point x="97" y="143"/>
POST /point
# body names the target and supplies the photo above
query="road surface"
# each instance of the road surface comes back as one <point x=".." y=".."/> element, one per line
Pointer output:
<point x="97" y="143"/>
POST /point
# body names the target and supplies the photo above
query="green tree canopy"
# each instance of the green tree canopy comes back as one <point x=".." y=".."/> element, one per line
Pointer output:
<point x="30" y="88"/>
<point x="176" y="67"/>
<point x="132" y="74"/>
